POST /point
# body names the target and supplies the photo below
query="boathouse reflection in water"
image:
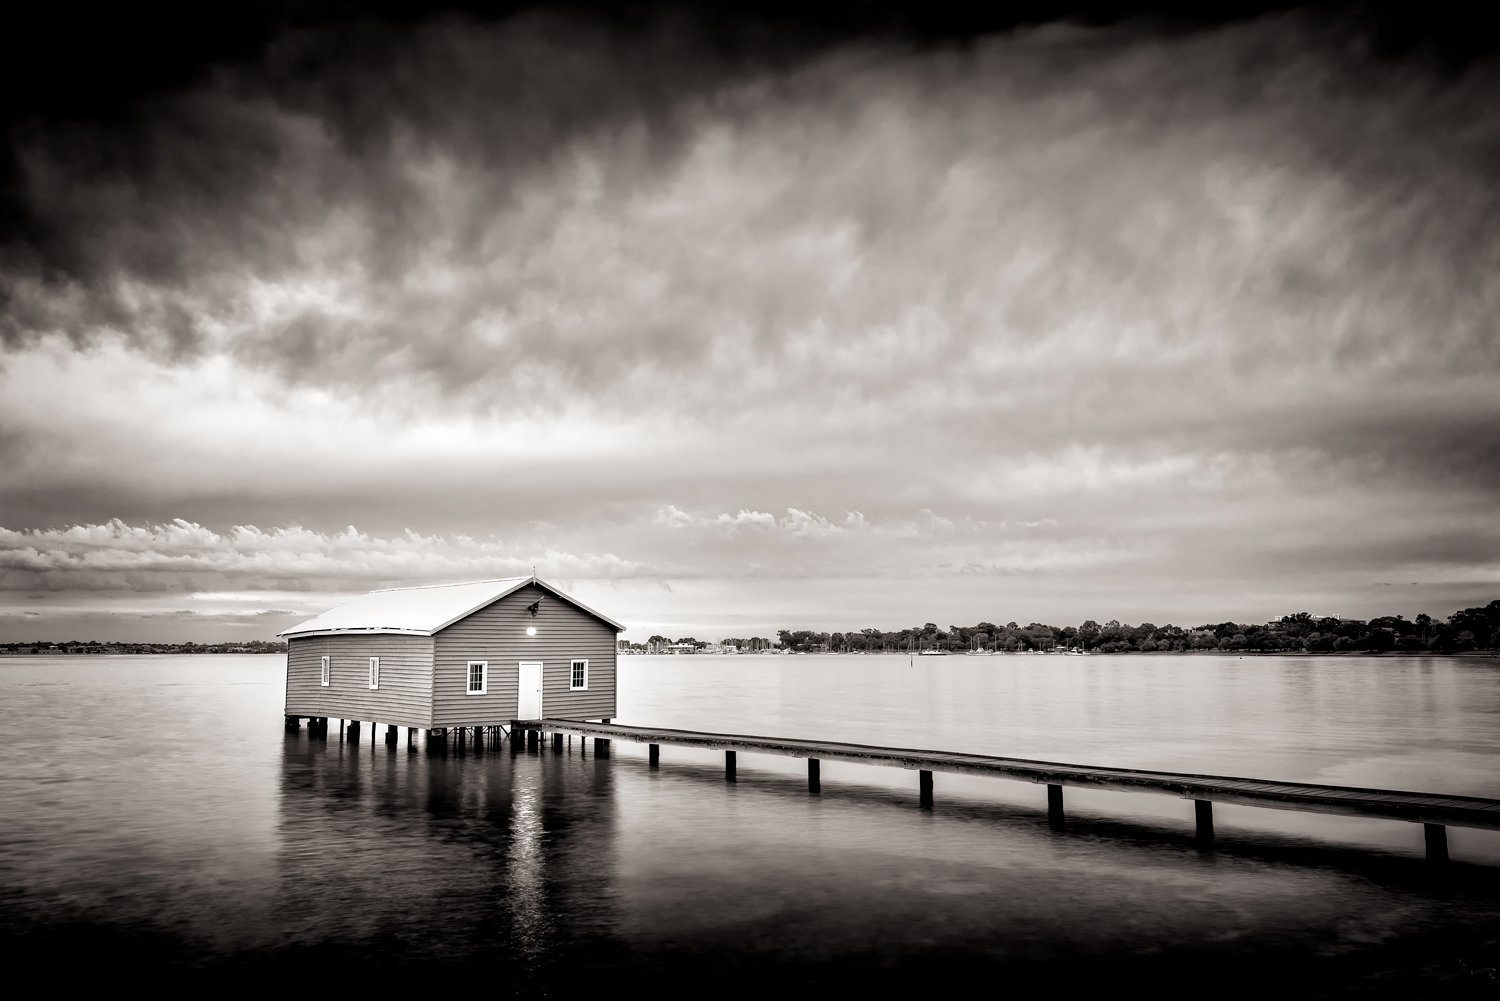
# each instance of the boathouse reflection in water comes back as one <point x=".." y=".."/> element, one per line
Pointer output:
<point x="503" y="857"/>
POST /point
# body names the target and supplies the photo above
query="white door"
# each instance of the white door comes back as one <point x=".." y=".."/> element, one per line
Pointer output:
<point x="531" y="690"/>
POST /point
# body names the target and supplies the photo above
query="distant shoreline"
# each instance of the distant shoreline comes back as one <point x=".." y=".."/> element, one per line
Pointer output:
<point x="1238" y="654"/>
<point x="1478" y="654"/>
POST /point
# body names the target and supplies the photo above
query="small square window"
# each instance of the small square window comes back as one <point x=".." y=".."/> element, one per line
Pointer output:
<point x="374" y="672"/>
<point x="479" y="677"/>
<point x="327" y="670"/>
<point x="580" y="676"/>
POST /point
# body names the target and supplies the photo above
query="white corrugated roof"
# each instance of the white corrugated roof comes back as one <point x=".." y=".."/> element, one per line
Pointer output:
<point x="422" y="611"/>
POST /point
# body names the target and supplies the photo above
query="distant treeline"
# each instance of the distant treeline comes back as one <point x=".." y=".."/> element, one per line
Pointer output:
<point x="94" y="646"/>
<point x="1303" y="632"/>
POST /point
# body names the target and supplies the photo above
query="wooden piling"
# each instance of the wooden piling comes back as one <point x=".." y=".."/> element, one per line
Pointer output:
<point x="353" y="731"/>
<point x="1203" y="812"/>
<point x="1436" y="836"/>
<point x="653" y="755"/>
<point x="293" y="723"/>
<point x="1054" y="805"/>
<point x="341" y="731"/>
<point x="390" y="735"/>
<point x="411" y="736"/>
<point x="531" y="740"/>
<point x="557" y="741"/>
<point x="814" y="775"/>
<point x="924" y="788"/>
<point x="730" y="762"/>
<point x="601" y="747"/>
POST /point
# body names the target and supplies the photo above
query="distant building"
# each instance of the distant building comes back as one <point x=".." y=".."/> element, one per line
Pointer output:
<point x="481" y="653"/>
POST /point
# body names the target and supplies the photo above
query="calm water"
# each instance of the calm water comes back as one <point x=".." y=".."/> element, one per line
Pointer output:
<point x="158" y="824"/>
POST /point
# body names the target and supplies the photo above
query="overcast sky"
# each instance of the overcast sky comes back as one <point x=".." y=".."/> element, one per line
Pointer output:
<point x="736" y="326"/>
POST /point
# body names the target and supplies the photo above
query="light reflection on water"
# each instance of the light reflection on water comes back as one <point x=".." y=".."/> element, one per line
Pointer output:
<point x="157" y="818"/>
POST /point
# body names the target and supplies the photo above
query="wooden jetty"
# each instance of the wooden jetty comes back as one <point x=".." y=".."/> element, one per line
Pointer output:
<point x="1435" y="812"/>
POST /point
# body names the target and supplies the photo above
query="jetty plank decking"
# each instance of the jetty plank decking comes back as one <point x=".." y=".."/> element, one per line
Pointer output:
<point x="1435" y="812"/>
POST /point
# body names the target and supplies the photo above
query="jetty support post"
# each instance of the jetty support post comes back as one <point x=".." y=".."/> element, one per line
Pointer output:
<point x="730" y="761"/>
<point x="411" y="736"/>
<point x="390" y="735"/>
<point x="557" y="741"/>
<point x="341" y="731"/>
<point x="1054" y="805"/>
<point x="601" y="747"/>
<point x="293" y="723"/>
<point x="1436" y="836"/>
<point x="354" y="731"/>
<point x="653" y="755"/>
<point x="531" y="740"/>
<point x="1203" y="814"/>
<point x="924" y="789"/>
<point x="814" y="775"/>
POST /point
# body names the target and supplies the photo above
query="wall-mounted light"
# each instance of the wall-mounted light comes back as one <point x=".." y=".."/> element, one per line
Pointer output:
<point x="531" y="630"/>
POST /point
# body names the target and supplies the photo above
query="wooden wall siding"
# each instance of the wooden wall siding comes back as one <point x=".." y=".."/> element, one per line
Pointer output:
<point x="497" y="634"/>
<point x="405" y="693"/>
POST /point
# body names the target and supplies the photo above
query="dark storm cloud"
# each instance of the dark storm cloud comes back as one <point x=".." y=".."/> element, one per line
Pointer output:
<point x="355" y="160"/>
<point x="215" y="180"/>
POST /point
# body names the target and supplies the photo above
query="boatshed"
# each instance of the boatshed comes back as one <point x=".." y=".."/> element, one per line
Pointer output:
<point x="476" y="654"/>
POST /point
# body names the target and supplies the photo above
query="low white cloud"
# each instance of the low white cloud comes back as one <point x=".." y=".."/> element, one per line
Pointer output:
<point x="673" y="517"/>
<point x="798" y="523"/>
<point x="745" y="520"/>
<point x="185" y="556"/>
